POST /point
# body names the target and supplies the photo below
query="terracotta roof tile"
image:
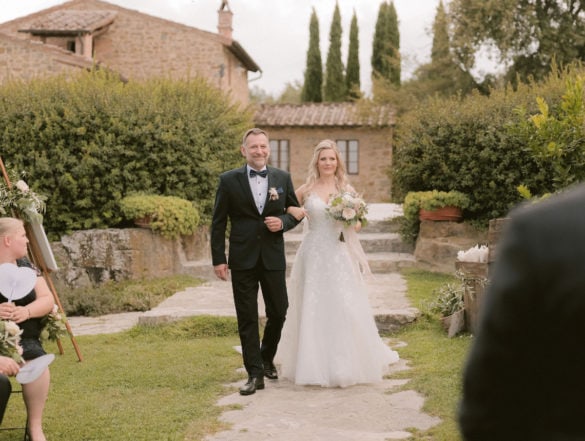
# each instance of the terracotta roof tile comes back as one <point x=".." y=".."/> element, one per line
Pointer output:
<point x="323" y="115"/>
<point x="72" y="21"/>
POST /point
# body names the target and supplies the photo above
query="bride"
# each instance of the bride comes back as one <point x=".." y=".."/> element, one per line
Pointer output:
<point x="330" y="337"/>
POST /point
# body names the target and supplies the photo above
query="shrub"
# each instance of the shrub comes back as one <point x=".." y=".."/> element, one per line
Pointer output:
<point x="480" y="146"/>
<point x="449" y="299"/>
<point x="169" y="215"/>
<point x="90" y="141"/>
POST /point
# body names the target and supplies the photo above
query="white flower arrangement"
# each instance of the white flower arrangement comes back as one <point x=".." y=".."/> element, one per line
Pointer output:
<point x="10" y="340"/>
<point x="21" y="198"/>
<point x="348" y="208"/>
<point x="273" y="193"/>
<point x="474" y="254"/>
<point x="53" y="325"/>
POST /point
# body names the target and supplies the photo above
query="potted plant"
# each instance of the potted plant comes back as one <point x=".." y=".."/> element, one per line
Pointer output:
<point x="171" y="216"/>
<point x="429" y="202"/>
<point x="451" y="307"/>
<point x="442" y="205"/>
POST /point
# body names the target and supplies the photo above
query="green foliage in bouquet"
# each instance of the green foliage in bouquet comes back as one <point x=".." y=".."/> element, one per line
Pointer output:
<point x="10" y="340"/>
<point x="53" y="326"/>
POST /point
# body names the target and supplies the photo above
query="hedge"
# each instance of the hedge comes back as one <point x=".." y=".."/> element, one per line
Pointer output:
<point x="89" y="142"/>
<point x="486" y="147"/>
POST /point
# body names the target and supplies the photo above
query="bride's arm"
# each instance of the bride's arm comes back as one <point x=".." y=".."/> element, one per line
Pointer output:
<point x="298" y="212"/>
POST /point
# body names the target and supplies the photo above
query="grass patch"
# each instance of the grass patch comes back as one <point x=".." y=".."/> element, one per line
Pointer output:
<point x="146" y="384"/>
<point x="436" y="361"/>
<point x="162" y="383"/>
<point x="126" y="296"/>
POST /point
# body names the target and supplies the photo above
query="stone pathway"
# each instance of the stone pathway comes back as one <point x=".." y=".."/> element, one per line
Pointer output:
<point x="284" y="411"/>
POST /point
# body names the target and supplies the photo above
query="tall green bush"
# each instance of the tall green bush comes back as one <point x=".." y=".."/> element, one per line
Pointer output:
<point x="88" y="142"/>
<point x="474" y="145"/>
<point x="557" y="139"/>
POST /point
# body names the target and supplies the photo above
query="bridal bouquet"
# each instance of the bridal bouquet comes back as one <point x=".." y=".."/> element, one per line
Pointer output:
<point x="349" y="208"/>
<point x="53" y="325"/>
<point x="10" y="340"/>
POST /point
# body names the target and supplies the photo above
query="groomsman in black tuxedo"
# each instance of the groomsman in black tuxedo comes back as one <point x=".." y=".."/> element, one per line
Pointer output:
<point x="525" y="376"/>
<point x="254" y="199"/>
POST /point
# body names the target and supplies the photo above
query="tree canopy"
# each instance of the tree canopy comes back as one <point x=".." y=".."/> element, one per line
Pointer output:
<point x="525" y="36"/>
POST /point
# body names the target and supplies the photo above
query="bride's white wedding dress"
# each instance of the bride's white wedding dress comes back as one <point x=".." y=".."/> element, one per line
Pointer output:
<point x="330" y="337"/>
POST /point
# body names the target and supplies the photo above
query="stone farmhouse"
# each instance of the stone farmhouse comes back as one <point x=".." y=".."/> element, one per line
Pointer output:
<point x="81" y="33"/>
<point x="84" y="34"/>
<point x="364" y="139"/>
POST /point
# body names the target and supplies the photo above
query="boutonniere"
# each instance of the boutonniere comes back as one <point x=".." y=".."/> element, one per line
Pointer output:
<point x="273" y="193"/>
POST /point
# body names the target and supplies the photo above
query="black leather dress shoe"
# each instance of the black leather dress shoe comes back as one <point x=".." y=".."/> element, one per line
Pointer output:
<point x="270" y="370"/>
<point x="253" y="384"/>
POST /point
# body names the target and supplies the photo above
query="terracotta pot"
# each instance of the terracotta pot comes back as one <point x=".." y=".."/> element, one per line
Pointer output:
<point x="449" y="213"/>
<point x="454" y="323"/>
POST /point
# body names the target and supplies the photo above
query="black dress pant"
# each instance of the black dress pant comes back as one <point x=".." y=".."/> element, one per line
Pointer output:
<point x="5" y="391"/>
<point x="245" y="284"/>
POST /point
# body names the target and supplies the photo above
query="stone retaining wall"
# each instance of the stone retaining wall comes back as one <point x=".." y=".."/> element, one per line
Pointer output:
<point x="93" y="257"/>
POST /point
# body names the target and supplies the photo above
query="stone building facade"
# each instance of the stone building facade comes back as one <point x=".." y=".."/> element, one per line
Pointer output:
<point x="25" y="60"/>
<point x="131" y="43"/>
<point x="364" y="137"/>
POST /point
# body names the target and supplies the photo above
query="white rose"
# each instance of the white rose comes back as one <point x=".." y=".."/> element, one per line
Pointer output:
<point x="22" y="186"/>
<point x="12" y="328"/>
<point x="348" y="213"/>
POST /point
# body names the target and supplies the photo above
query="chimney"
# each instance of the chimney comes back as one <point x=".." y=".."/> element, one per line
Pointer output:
<point x="224" y="23"/>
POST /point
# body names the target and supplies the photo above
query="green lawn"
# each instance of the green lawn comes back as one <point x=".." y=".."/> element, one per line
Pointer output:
<point x="161" y="383"/>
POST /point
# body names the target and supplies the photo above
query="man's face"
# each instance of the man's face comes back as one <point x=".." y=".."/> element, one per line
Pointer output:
<point x="256" y="150"/>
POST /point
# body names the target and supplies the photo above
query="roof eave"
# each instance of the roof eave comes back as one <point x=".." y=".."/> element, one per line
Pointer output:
<point x="236" y="49"/>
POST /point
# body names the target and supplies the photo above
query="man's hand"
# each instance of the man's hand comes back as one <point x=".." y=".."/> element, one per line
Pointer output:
<point x="273" y="223"/>
<point x="221" y="271"/>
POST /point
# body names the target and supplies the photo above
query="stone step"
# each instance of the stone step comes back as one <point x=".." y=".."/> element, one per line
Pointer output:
<point x="371" y="243"/>
<point x="380" y="263"/>
<point x="373" y="226"/>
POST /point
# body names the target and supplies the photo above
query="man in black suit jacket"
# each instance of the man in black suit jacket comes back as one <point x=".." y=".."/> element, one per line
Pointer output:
<point x="525" y="376"/>
<point x="254" y="198"/>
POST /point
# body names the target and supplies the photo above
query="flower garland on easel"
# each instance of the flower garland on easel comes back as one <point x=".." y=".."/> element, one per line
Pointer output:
<point x="29" y="205"/>
<point x="21" y="201"/>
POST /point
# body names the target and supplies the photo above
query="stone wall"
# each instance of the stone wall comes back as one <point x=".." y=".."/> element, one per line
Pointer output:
<point x="438" y="243"/>
<point x="93" y="257"/>
<point x="24" y="61"/>
<point x="375" y="155"/>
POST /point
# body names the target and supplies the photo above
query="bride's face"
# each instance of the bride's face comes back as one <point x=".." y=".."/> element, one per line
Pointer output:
<point x="327" y="162"/>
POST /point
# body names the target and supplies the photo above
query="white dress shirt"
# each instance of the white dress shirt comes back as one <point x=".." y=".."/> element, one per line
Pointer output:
<point x="259" y="187"/>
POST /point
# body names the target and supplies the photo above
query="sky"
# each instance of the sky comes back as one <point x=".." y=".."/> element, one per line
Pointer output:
<point x="275" y="33"/>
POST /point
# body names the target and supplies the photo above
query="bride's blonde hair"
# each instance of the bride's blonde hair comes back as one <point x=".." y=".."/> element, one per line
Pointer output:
<point x="341" y="181"/>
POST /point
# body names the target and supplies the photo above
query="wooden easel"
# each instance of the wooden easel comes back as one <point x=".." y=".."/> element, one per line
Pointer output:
<point x="39" y="261"/>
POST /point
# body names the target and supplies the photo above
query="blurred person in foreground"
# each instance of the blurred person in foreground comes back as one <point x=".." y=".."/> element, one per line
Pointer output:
<point x="525" y="375"/>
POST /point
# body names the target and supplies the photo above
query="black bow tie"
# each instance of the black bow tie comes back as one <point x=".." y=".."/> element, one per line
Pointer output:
<point x="262" y="173"/>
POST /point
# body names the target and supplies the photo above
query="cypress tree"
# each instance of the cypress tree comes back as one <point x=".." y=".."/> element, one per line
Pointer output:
<point x="393" y="46"/>
<point x="386" y="68"/>
<point x="313" y="85"/>
<point x="334" y="77"/>
<point x="379" y="65"/>
<point x="352" y="75"/>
